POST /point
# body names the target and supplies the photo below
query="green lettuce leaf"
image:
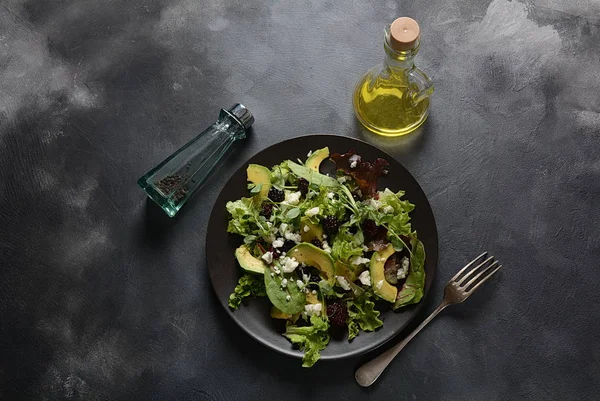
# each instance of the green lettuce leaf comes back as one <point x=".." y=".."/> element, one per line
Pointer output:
<point x="412" y="290"/>
<point x="248" y="285"/>
<point x="345" y="245"/>
<point x="362" y="315"/>
<point x="312" y="339"/>
<point x="244" y="217"/>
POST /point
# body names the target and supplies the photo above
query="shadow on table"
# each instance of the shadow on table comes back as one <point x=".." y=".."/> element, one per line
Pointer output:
<point x="405" y="146"/>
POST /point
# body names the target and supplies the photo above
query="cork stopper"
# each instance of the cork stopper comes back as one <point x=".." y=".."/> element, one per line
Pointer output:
<point x="404" y="33"/>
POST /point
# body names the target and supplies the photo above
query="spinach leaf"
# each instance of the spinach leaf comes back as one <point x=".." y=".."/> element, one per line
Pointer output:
<point x="412" y="290"/>
<point x="312" y="176"/>
<point x="278" y="295"/>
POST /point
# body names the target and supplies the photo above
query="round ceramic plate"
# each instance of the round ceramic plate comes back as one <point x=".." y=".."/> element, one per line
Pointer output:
<point x="253" y="316"/>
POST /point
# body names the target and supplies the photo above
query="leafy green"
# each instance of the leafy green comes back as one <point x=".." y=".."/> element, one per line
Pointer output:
<point x="278" y="295"/>
<point x="345" y="245"/>
<point x="280" y="174"/>
<point x="412" y="290"/>
<point x="248" y="285"/>
<point x="312" y="176"/>
<point x="244" y="217"/>
<point x="362" y="315"/>
<point x="312" y="339"/>
<point x="328" y="291"/>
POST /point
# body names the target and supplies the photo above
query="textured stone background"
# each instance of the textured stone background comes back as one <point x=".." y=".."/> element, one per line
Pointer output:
<point x="103" y="299"/>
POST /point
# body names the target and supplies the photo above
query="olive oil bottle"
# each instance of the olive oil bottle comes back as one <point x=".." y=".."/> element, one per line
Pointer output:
<point x="392" y="99"/>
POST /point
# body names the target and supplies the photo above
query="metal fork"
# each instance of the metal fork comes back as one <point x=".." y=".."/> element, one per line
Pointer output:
<point x="459" y="288"/>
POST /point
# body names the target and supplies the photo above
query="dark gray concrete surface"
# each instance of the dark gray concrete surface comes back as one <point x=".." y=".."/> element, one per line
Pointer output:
<point x="102" y="298"/>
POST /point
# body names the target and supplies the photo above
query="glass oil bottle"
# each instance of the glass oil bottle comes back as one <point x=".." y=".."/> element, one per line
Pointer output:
<point x="393" y="99"/>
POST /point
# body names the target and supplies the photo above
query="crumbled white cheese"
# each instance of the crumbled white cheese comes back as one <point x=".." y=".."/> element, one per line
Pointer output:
<point x="293" y="236"/>
<point x="324" y="235"/>
<point x="278" y="243"/>
<point x="381" y="259"/>
<point x="365" y="248"/>
<point x="341" y="179"/>
<point x="379" y="284"/>
<point x="283" y="228"/>
<point x="326" y="247"/>
<point x="284" y="283"/>
<point x="330" y="195"/>
<point x="306" y="229"/>
<point x="353" y="164"/>
<point x="268" y="257"/>
<point x="358" y="260"/>
<point x="309" y="153"/>
<point x="305" y="277"/>
<point x="388" y="209"/>
<point x="312" y="212"/>
<point x="343" y="282"/>
<point x="269" y="225"/>
<point x="292" y="198"/>
<point x="287" y="297"/>
<point x="289" y="265"/>
<point x="300" y="284"/>
<point x="354" y="158"/>
<point x="277" y="271"/>
<point x="375" y="204"/>
<point x="313" y="309"/>
<point x="314" y="292"/>
<point x="272" y="274"/>
<point x="365" y="277"/>
<point x="403" y="271"/>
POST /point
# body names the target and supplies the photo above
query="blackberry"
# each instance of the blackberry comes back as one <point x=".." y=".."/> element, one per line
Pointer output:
<point x="287" y="245"/>
<point x="303" y="186"/>
<point x="317" y="242"/>
<point x="266" y="209"/>
<point x="276" y="195"/>
<point x="331" y="224"/>
<point x="337" y="314"/>
<point x="370" y="228"/>
<point x="314" y="278"/>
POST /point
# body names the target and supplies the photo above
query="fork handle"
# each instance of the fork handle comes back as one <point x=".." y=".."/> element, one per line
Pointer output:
<point x="370" y="371"/>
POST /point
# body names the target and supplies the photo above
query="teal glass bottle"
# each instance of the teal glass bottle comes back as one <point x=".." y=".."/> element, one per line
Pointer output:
<point x="171" y="183"/>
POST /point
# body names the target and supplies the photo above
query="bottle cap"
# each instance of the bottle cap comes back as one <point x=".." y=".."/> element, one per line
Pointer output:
<point x="244" y="116"/>
<point x="404" y="33"/>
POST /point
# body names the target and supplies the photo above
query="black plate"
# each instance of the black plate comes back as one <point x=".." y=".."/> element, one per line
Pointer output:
<point x="253" y="316"/>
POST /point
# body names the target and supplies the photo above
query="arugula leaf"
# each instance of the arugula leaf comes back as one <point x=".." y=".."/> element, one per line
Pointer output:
<point x="278" y="295"/>
<point x="248" y="285"/>
<point x="362" y="315"/>
<point x="312" y="339"/>
<point x="312" y="176"/>
<point x="412" y="290"/>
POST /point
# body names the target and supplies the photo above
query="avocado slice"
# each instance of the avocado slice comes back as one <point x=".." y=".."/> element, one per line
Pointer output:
<point x="342" y="269"/>
<point x="314" y="230"/>
<point x="314" y="160"/>
<point x="381" y="287"/>
<point x="258" y="174"/>
<point x="248" y="262"/>
<point x="313" y="256"/>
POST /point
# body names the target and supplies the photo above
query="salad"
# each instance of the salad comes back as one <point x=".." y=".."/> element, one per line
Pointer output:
<point x="328" y="252"/>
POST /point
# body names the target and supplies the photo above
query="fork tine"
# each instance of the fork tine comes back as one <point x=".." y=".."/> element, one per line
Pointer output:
<point x="475" y="269"/>
<point x="483" y="280"/>
<point x="471" y="263"/>
<point x="483" y="271"/>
